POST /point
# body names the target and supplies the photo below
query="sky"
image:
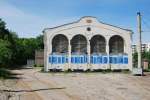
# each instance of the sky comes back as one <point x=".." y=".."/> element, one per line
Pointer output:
<point x="29" y="17"/>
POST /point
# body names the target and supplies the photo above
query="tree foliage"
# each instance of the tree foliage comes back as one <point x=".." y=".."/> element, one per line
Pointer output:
<point x="15" y="50"/>
<point x="26" y="49"/>
<point x="145" y="56"/>
<point x="5" y="45"/>
<point x="5" y="53"/>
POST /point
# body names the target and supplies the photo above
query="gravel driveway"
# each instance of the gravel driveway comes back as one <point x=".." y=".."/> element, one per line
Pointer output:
<point x="35" y="85"/>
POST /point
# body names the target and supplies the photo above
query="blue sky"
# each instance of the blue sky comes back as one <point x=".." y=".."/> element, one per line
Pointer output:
<point x="29" y="17"/>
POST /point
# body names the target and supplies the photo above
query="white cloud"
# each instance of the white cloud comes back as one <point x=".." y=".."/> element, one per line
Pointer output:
<point x="24" y="23"/>
<point x="21" y="22"/>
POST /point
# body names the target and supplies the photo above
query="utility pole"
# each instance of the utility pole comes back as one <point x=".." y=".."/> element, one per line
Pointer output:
<point x="139" y="69"/>
<point x="139" y="39"/>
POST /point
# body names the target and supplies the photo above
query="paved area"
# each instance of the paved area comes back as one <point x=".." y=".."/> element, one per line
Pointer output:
<point x="35" y="85"/>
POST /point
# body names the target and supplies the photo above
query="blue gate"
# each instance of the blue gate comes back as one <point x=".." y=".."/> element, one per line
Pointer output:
<point x="99" y="59"/>
<point x="58" y="59"/>
<point x="94" y="59"/>
<point x="79" y="59"/>
<point x="118" y="59"/>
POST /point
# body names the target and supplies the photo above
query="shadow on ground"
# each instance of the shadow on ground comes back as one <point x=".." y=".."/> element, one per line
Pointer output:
<point x="34" y="90"/>
<point x="7" y="74"/>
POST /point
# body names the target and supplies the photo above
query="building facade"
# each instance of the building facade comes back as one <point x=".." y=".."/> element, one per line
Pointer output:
<point x="87" y="44"/>
<point x="144" y="47"/>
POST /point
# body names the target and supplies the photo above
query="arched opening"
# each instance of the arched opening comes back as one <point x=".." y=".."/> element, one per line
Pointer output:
<point x="98" y="44"/>
<point x="79" y="45"/>
<point x="60" y="44"/>
<point x="116" y="44"/>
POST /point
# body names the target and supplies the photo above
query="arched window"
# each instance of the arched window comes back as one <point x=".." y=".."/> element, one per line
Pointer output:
<point x="79" y="45"/>
<point x="116" y="44"/>
<point x="60" y="44"/>
<point x="98" y="44"/>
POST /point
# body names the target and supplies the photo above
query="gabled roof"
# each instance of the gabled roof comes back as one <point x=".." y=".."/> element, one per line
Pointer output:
<point x="85" y="17"/>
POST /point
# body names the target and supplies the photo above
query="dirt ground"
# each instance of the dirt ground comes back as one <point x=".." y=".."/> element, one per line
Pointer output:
<point x="34" y="85"/>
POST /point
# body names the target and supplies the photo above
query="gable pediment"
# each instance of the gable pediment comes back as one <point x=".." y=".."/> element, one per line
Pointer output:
<point x="89" y="21"/>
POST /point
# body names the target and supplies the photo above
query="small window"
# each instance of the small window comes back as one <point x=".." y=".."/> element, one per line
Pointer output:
<point x="89" y="21"/>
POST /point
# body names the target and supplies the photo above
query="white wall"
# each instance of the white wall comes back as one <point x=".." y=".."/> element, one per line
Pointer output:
<point x="80" y="27"/>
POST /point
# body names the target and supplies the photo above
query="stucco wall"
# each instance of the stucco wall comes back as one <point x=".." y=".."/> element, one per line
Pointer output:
<point x="80" y="27"/>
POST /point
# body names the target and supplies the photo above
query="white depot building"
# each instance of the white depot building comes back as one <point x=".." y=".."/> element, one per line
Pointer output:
<point x="87" y="44"/>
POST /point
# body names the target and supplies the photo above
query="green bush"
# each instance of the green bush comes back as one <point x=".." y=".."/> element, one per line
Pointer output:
<point x="35" y="65"/>
<point x="4" y="73"/>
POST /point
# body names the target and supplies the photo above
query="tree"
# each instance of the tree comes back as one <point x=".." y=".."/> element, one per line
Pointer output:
<point x="25" y="48"/>
<point x="15" y="50"/>
<point x="135" y="59"/>
<point x="145" y="55"/>
<point x="39" y="40"/>
<point x="3" y="31"/>
<point x="5" y="45"/>
<point x="5" y="53"/>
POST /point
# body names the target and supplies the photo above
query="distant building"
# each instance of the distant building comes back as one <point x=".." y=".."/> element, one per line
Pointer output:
<point x="30" y="63"/>
<point x="134" y="48"/>
<point x="87" y="44"/>
<point x="145" y="47"/>
<point x="39" y="57"/>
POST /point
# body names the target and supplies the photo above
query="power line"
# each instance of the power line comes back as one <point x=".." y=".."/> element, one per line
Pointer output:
<point x="146" y="25"/>
<point x="145" y="21"/>
<point x="147" y="31"/>
<point x="147" y="18"/>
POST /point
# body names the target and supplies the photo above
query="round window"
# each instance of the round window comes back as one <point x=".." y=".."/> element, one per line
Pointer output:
<point x="88" y="29"/>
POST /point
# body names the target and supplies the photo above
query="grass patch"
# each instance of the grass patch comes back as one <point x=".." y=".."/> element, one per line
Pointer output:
<point x="146" y="70"/>
<point x="38" y="65"/>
